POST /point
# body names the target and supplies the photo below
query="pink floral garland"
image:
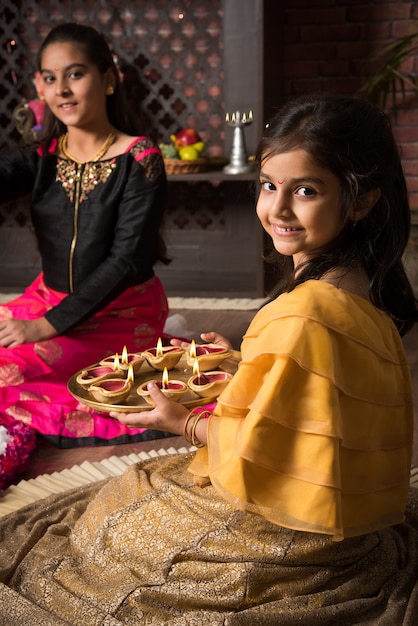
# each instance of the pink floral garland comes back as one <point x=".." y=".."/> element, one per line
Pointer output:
<point x="17" y="442"/>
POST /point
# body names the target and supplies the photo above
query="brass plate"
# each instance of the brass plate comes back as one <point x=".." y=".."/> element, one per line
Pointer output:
<point x="134" y="403"/>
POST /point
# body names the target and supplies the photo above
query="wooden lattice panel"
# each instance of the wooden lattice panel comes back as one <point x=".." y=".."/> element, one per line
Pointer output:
<point x="171" y="54"/>
<point x="197" y="206"/>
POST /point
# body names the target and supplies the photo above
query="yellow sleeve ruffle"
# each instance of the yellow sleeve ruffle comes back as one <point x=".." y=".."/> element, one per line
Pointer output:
<point x="314" y="432"/>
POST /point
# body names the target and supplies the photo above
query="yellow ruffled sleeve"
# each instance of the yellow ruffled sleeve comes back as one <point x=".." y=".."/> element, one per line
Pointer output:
<point x="314" y="432"/>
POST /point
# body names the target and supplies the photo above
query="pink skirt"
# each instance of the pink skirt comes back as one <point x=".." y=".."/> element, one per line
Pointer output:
<point x="34" y="377"/>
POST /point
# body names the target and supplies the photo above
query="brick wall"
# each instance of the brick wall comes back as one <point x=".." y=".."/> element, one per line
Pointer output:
<point x="328" y="46"/>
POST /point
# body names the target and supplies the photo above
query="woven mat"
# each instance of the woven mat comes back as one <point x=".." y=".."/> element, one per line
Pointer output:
<point x="27" y="491"/>
<point x="243" y="304"/>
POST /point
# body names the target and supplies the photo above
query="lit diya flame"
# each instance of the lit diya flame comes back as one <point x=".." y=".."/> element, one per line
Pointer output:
<point x="201" y="379"/>
<point x="112" y="390"/>
<point x="164" y="380"/>
<point x="131" y="376"/>
<point x="122" y="363"/>
<point x="208" y="355"/>
<point x="114" y="361"/>
<point x="162" y="357"/>
<point x="192" y="351"/>
<point x="174" y="389"/>
<point x="133" y="359"/>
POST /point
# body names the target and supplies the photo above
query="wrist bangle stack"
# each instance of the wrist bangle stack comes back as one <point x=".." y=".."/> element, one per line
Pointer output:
<point x="186" y="426"/>
<point x="190" y="434"/>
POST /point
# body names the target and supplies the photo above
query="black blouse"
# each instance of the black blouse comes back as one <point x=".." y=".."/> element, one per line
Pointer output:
<point x="96" y="223"/>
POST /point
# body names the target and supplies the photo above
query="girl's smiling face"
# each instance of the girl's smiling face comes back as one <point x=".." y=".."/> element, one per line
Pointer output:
<point x="73" y="88"/>
<point x="299" y="205"/>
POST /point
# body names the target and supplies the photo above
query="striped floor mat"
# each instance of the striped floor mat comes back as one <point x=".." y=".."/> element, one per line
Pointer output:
<point x="27" y="491"/>
<point x="231" y="304"/>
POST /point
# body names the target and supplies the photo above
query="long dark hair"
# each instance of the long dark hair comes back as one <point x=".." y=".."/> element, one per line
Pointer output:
<point x="98" y="52"/>
<point x="354" y="140"/>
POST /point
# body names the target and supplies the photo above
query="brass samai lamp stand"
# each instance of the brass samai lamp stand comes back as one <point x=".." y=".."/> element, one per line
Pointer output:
<point x="238" y="163"/>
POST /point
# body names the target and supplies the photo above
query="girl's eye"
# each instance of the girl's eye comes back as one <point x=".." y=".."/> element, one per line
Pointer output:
<point x="48" y="79"/>
<point x="267" y="185"/>
<point x="305" y="191"/>
<point x="76" y="74"/>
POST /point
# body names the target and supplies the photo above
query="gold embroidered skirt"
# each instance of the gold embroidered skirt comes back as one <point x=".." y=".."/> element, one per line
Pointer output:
<point x="150" y="547"/>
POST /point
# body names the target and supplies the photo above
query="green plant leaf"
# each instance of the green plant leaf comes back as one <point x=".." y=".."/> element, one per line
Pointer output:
<point x="387" y="79"/>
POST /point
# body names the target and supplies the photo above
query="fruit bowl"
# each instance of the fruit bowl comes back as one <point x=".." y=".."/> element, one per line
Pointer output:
<point x="182" y="166"/>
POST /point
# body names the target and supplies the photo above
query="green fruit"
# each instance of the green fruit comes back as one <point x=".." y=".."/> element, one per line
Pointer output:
<point x="168" y="151"/>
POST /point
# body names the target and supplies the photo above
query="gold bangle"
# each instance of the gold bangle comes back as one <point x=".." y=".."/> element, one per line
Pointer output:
<point x="186" y="424"/>
<point x="195" y="440"/>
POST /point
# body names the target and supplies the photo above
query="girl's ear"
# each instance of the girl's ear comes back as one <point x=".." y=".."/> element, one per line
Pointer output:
<point x="364" y="204"/>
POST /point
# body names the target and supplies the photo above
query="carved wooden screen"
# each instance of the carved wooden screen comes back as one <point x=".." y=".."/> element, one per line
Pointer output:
<point x="171" y="52"/>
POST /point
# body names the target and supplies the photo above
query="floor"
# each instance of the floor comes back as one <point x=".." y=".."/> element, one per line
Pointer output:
<point x="231" y="324"/>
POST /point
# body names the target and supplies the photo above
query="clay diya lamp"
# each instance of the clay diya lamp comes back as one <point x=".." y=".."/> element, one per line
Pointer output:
<point x="163" y="357"/>
<point x="113" y="390"/>
<point x="209" y="355"/>
<point x="127" y="359"/>
<point x="208" y="384"/>
<point x="97" y="373"/>
<point x="173" y="389"/>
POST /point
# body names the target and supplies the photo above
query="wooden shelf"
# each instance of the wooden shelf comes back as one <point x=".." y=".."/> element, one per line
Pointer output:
<point x="211" y="176"/>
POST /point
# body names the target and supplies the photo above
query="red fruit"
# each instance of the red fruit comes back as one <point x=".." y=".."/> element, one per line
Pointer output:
<point x="187" y="137"/>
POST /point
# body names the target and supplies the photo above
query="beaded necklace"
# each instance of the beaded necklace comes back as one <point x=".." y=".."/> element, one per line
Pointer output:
<point x="62" y="146"/>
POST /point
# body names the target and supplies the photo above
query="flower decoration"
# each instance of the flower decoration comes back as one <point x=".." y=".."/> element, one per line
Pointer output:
<point x="17" y="442"/>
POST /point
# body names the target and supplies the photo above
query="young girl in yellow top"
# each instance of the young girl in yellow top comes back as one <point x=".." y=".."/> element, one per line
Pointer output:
<point x="296" y="506"/>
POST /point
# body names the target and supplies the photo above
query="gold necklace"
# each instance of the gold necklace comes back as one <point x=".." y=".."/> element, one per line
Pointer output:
<point x="62" y="146"/>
